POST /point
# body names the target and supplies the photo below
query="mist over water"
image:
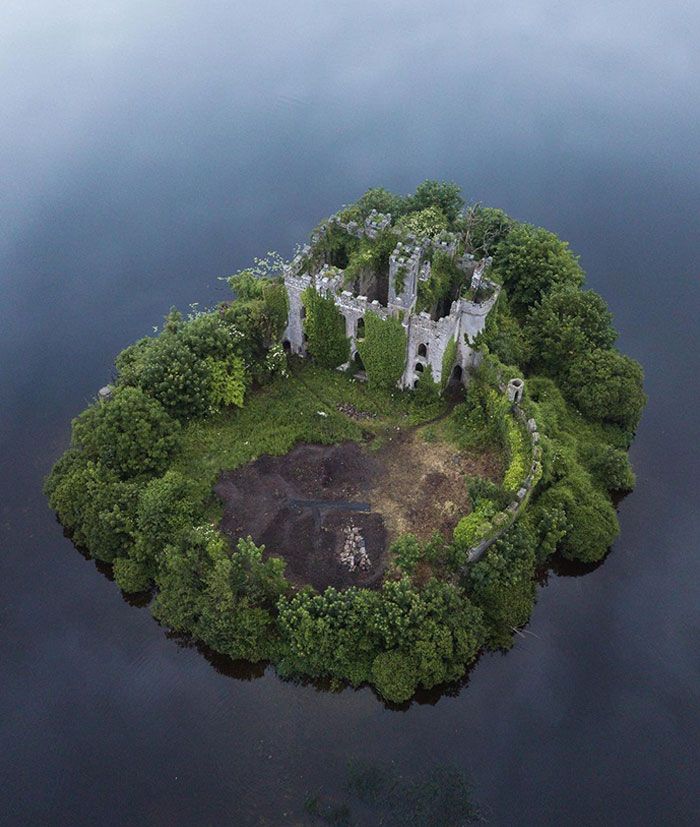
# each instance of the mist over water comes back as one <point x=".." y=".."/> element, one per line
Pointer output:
<point x="148" y="149"/>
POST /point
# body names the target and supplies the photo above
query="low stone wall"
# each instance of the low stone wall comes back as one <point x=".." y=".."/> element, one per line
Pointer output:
<point x="517" y="506"/>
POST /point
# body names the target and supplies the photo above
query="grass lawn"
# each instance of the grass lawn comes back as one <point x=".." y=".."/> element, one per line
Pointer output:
<point x="301" y="408"/>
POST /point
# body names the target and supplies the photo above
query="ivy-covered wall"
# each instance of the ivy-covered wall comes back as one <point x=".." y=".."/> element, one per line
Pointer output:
<point x="324" y="327"/>
<point x="383" y="350"/>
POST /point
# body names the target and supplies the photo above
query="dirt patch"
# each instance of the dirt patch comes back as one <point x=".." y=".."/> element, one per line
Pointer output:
<point x="302" y="505"/>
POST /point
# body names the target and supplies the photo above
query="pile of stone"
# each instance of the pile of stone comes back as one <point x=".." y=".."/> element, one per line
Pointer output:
<point x="354" y="555"/>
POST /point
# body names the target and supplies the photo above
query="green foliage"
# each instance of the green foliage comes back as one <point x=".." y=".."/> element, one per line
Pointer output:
<point x="441" y="194"/>
<point x="531" y="261"/>
<point x="371" y="257"/>
<point x="609" y="467"/>
<point x="427" y="222"/>
<point x="340" y="634"/>
<point x="475" y="527"/>
<point x="547" y="524"/>
<point x="502" y="585"/>
<point x="176" y="376"/>
<point x="566" y="324"/>
<point x="239" y="591"/>
<point x="407" y="552"/>
<point x="427" y="391"/>
<point x="443" y="286"/>
<point x="131" y="433"/>
<point x="484" y="229"/>
<point x="518" y="455"/>
<point x="166" y="507"/>
<point x="449" y="357"/>
<point x="394" y="675"/>
<point x="131" y="575"/>
<point x="227" y="379"/>
<point x="607" y="386"/>
<point x="382" y="201"/>
<point x="383" y="350"/>
<point x="93" y="504"/>
<point x="504" y="336"/>
<point x="325" y="328"/>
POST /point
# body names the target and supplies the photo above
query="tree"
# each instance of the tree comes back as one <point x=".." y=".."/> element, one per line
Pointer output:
<point x="484" y="229"/>
<point x="446" y="196"/>
<point x="428" y="222"/>
<point x="325" y="329"/>
<point x="606" y="386"/>
<point x="566" y="324"/>
<point x="394" y="675"/>
<point x="177" y="377"/>
<point x="131" y="433"/>
<point x="382" y="201"/>
<point x="532" y="261"/>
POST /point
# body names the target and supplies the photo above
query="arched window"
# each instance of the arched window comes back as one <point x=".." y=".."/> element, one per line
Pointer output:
<point x="457" y="373"/>
<point x="360" y="329"/>
<point x="419" y="368"/>
<point x="302" y="313"/>
<point x="423" y="350"/>
<point x="287" y="345"/>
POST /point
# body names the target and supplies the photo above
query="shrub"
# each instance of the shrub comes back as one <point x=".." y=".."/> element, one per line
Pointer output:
<point x="131" y="433"/>
<point x="427" y="222"/>
<point x="324" y="326"/>
<point x="475" y="527"/>
<point x="227" y="378"/>
<point x="518" y="454"/>
<point x="609" y="467"/>
<point x="177" y="377"/>
<point x="407" y="552"/>
<point x="130" y="575"/>
<point x="394" y="675"/>
<point x="383" y="350"/>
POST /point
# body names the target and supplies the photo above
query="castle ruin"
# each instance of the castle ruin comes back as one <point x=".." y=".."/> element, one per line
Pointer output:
<point x="428" y="336"/>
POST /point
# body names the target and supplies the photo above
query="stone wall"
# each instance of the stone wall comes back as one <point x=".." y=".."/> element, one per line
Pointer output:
<point x="517" y="506"/>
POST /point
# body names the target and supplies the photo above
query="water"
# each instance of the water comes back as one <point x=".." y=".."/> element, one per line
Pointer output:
<point x="149" y="148"/>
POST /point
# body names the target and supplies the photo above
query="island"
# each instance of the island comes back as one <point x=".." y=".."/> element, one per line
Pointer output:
<point x="358" y="466"/>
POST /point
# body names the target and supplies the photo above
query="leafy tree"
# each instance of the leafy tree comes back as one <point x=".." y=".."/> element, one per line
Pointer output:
<point x="394" y="675"/>
<point x="501" y="584"/>
<point x="93" y="504"/>
<point x="428" y="222"/>
<point x="227" y="378"/>
<point x="566" y="324"/>
<point x="441" y="194"/>
<point x="532" y="261"/>
<point x="131" y="433"/>
<point x="325" y="328"/>
<point x="177" y="377"/>
<point x="209" y="336"/>
<point x="131" y="576"/>
<point x="383" y="350"/>
<point x="609" y="467"/>
<point x="382" y="201"/>
<point x="606" y="386"/>
<point x="167" y="506"/>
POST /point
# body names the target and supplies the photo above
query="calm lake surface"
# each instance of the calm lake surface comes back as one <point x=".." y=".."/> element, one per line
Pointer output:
<point x="148" y="148"/>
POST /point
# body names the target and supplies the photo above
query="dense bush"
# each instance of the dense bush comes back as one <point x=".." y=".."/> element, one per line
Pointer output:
<point x="383" y="350"/>
<point x="566" y="324"/>
<point x="131" y="433"/>
<point x="440" y="194"/>
<point x="427" y="222"/>
<point x="605" y="385"/>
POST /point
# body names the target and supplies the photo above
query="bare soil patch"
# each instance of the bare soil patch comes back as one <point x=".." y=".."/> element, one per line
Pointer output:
<point x="300" y="505"/>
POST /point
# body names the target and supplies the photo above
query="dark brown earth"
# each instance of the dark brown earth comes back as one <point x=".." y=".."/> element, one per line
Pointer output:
<point x="408" y="484"/>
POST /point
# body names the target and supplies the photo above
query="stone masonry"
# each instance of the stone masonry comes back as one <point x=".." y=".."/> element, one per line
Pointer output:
<point x="427" y="338"/>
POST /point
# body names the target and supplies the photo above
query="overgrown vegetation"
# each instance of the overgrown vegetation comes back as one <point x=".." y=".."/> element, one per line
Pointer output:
<point x="215" y="390"/>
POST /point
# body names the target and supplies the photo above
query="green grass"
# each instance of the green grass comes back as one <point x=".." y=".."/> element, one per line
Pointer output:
<point x="301" y="408"/>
